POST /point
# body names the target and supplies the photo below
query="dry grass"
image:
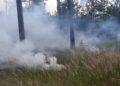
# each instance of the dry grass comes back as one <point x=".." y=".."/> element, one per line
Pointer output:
<point x="82" y="69"/>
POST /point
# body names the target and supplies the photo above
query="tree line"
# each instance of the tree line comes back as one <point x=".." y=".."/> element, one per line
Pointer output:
<point x="77" y="16"/>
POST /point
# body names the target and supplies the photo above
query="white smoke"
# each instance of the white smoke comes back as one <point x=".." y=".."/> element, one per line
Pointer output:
<point x="22" y="55"/>
<point x="41" y="34"/>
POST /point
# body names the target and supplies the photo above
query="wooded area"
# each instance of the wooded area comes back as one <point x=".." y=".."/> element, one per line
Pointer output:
<point x="78" y="16"/>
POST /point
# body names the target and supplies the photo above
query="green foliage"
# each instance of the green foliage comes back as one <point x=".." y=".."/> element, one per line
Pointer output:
<point x="96" y="9"/>
<point x="68" y="7"/>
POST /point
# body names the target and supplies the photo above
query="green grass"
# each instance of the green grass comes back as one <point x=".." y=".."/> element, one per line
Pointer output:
<point x="82" y="69"/>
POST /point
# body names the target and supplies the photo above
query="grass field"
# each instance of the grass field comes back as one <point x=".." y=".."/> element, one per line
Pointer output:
<point x="82" y="69"/>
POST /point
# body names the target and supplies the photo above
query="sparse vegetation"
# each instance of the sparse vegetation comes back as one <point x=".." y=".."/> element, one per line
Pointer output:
<point x="82" y="69"/>
<point x="97" y="18"/>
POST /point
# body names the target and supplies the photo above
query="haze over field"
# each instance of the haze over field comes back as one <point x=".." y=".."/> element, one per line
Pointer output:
<point x="42" y="34"/>
<point x="75" y="46"/>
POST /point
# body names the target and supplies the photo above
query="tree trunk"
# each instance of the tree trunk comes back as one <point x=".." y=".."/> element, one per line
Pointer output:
<point x="20" y="20"/>
<point x="70" y="18"/>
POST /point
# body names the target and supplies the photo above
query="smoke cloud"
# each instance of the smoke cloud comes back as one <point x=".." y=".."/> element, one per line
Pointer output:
<point x="97" y="33"/>
<point x="42" y="34"/>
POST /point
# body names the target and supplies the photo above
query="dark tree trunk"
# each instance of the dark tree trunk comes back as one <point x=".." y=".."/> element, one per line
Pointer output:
<point x="20" y="20"/>
<point x="58" y="7"/>
<point x="70" y="18"/>
<point x="72" y="37"/>
<point x="60" y="25"/>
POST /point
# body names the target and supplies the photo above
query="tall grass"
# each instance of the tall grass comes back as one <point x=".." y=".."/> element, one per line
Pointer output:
<point x="82" y="69"/>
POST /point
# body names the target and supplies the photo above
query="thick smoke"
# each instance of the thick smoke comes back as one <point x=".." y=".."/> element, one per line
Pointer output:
<point x="41" y="34"/>
<point x="21" y="55"/>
